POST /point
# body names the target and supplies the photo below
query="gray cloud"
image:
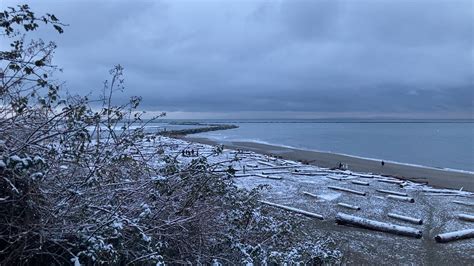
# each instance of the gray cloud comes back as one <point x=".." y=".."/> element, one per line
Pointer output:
<point x="369" y="56"/>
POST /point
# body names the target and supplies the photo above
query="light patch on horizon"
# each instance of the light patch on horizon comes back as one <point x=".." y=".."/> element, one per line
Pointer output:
<point x="368" y="58"/>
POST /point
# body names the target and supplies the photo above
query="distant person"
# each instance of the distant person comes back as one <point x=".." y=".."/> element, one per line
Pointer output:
<point x="383" y="163"/>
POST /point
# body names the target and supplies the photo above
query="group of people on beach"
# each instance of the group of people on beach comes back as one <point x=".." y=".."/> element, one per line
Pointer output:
<point x="342" y="166"/>
<point x="190" y="153"/>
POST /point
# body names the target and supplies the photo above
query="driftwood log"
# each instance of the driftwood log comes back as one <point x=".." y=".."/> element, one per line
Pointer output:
<point x="336" y="178"/>
<point x="265" y="163"/>
<point x="362" y="183"/>
<point x="306" y="213"/>
<point x="273" y="168"/>
<point x="290" y="162"/>
<point x="456" y="235"/>
<point x="448" y="191"/>
<point x="348" y="190"/>
<point x="243" y="175"/>
<point x="406" y="218"/>
<point x="441" y="194"/>
<point x="390" y="181"/>
<point x="310" y="194"/>
<point x="342" y="218"/>
<point x="401" y="198"/>
<point x="404" y="184"/>
<point x="365" y="176"/>
<point x="392" y="192"/>
<point x="308" y="174"/>
<point x="345" y="205"/>
<point x="463" y="203"/>
<point x="269" y="176"/>
<point x="466" y="217"/>
<point x="275" y="173"/>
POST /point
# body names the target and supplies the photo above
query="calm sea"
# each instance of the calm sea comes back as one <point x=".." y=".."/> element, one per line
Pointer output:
<point x="447" y="144"/>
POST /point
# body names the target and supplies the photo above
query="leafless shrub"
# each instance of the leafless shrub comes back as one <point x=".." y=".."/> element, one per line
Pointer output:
<point x="80" y="183"/>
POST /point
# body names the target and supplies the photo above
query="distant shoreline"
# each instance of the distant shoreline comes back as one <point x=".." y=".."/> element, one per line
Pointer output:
<point x="179" y="133"/>
<point x="432" y="176"/>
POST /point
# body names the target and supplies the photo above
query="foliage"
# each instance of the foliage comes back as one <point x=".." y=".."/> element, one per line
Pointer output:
<point x="82" y="182"/>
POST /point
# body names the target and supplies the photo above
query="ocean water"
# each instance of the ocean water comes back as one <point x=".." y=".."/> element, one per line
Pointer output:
<point x="433" y="144"/>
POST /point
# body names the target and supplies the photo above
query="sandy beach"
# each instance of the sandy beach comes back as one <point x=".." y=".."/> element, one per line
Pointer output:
<point x="324" y="193"/>
<point x="434" y="177"/>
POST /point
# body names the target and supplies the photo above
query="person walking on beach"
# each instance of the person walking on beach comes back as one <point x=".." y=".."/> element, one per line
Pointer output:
<point x="383" y="163"/>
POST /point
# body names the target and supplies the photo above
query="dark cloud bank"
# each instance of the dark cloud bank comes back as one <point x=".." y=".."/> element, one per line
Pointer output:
<point x="304" y="58"/>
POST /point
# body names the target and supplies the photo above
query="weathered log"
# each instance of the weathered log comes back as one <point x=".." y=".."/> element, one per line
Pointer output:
<point x="310" y="194"/>
<point x="265" y="163"/>
<point x="466" y="217"/>
<point x="404" y="184"/>
<point x="252" y="165"/>
<point x="314" y="172"/>
<point x="243" y="175"/>
<point x="405" y="218"/>
<point x="447" y="191"/>
<point x="362" y="183"/>
<point x="345" y="205"/>
<point x="308" y="174"/>
<point x="365" y="176"/>
<point x="433" y="190"/>
<point x="456" y="235"/>
<point x="463" y="203"/>
<point x="392" y="192"/>
<point x="442" y="194"/>
<point x="310" y="214"/>
<point x="269" y="177"/>
<point x="275" y="173"/>
<point x="348" y="190"/>
<point x="342" y="218"/>
<point x="273" y="168"/>
<point x="390" y="181"/>
<point x="407" y="199"/>
<point x="269" y="158"/>
<point x="241" y="152"/>
<point x="335" y="178"/>
<point x="290" y="162"/>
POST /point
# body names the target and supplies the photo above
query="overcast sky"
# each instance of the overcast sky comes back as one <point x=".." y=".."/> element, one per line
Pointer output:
<point x="281" y="58"/>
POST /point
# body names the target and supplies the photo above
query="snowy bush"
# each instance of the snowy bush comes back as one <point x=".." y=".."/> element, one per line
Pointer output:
<point x="81" y="183"/>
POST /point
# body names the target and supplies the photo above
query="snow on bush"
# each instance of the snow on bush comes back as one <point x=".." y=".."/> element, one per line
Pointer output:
<point x="81" y="183"/>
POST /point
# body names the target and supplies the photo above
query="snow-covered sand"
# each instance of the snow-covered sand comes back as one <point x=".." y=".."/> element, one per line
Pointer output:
<point x="433" y="176"/>
<point x="311" y="189"/>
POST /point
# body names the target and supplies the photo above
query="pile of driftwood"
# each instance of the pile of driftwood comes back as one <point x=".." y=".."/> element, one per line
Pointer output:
<point x="272" y="168"/>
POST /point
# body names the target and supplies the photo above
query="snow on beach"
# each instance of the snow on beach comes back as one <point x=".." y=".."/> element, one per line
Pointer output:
<point x="331" y="193"/>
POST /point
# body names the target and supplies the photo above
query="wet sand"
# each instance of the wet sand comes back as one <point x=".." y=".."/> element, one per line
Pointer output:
<point x="434" y="177"/>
